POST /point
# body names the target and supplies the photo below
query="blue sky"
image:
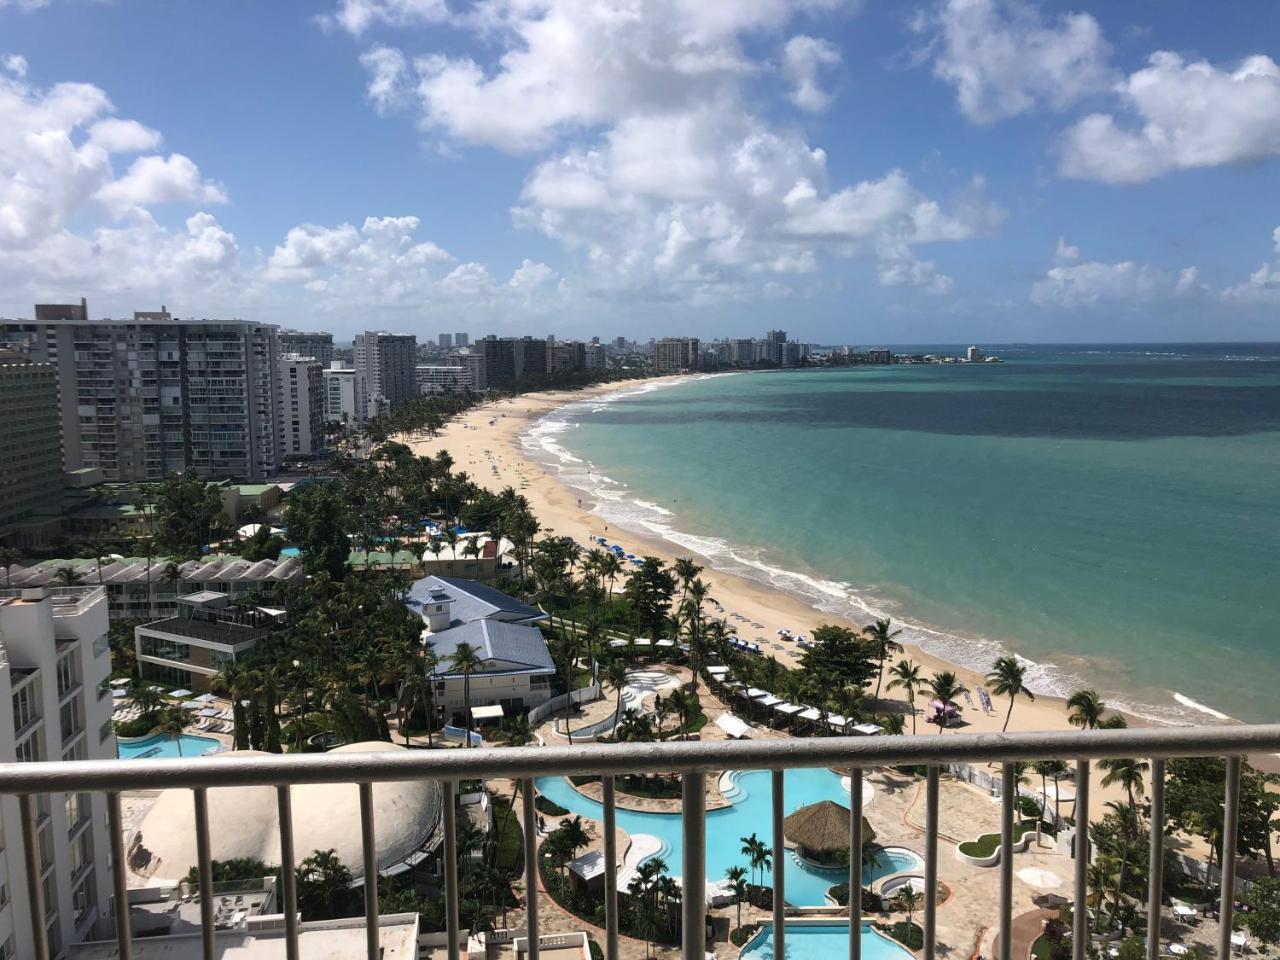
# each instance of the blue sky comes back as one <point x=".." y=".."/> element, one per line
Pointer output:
<point x="851" y="171"/>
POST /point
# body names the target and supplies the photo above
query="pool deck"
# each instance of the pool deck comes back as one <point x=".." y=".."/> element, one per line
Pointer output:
<point x="966" y="917"/>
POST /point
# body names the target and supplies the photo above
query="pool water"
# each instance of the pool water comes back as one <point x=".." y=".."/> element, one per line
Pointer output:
<point x="290" y="552"/>
<point x="159" y="745"/>
<point x="751" y="812"/>
<point x="823" y="941"/>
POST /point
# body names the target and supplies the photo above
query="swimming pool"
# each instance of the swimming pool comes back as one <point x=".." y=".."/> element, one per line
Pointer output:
<point x="824" y="941"/>
<point x="751" y="812"/>
<point x="290" y="552"/>
<point x="160" y="745"/>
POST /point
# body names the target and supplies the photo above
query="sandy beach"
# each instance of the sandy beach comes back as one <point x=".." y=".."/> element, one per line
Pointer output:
<point x="489" y="436"/>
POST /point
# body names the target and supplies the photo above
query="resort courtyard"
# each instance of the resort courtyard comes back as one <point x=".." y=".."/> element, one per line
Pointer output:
<point x="894" y="810"/>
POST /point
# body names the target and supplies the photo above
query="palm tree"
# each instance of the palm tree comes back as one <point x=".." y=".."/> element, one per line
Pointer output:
<point x="945" y="686"/>
<point x="686" y="706"/>
<point x="908" y="898"/>
<point x="1086" y="709"/>
<point x="737" y="878"/>
<point x="905" y="675"/>
<point x="466" y="660"/>
<point x="752" y="847"/>
<point x="881" y="638"/>
<point x="1006" y="679"/>
<point x="173" y="722"/>
<point x="894" y="724"/>
<point x="234" y="683"/>
<point x="1127" y="772"/>
<point x="615" y="672"/>
<point x="8" y="557"/>
<point x="68" y="576"/>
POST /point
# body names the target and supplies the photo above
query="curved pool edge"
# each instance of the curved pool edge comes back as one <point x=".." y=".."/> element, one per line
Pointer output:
<point x="766" y="929"/>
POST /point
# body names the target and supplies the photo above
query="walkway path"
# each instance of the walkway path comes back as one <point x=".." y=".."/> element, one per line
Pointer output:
<point x="1026" y="928"/>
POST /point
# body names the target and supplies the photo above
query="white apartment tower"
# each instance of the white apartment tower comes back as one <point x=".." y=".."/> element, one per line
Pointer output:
<point x="384" y="364"/>
<point x="341" y="397"/>
<point x="54" y="676"/>
<point x="139" y="398"/>
<point x="302" y="400"/>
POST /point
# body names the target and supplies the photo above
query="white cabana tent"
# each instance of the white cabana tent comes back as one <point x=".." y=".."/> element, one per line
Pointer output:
<point x="718" y="671"/>
<point x="665" y="643"/>
<point x="731" y="725"/>
<point x="836" y="721"/>
<point x="788" y="708"/>
<point x="810" y="714"/>
<point x="769" y="700"/>
<point x="866" y="729"/>
<point x="755" y="693"/>
<point x="491" y="712"/>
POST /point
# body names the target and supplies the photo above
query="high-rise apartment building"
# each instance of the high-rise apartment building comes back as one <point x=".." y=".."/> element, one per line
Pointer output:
<point x="566" y="356"/>
<point x="300" y="343"/>
<point x="142" y="397"/>
<point x="672" y="354"/>
<point x="446" y="341"/>
<point x="341" y="403"/>
<point x="531" y="356"/>
<point x="499" y="356"/>
<point x="384" y="364"/>
<point x="775" y="345"/>
<point x="54" y="681"/>
<point x="462" y="339"/>
<point x="302" y="402"/>
<point x="477" y="372"/>
<point x="30" y="436"/>
<point x="439" y="378"/>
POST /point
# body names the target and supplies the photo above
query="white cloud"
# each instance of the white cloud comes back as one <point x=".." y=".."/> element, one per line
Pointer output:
<point x="1179" y="116"/>
<point x="1072" y="283"/>
<point x="803" y="60"/>
<point x="15" y="63"/>
<point x="358" y="16"/>
<point x="652" y="170"/>
<point x="154" y="179"/>
<point x="572" y="65"/>
<point x="1003" y="58"/>
<point x="388" y="77"/>
<point x="531" y="276"/>
<point x="1263" y="285"/>
<point x="123" y="136"/>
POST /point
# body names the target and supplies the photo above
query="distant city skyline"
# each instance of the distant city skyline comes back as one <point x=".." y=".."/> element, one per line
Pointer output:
<point x="951" y="171"/>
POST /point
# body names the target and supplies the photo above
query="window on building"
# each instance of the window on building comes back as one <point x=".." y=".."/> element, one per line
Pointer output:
<point x="8" y="949"/>
<point x="24" y="706"/>
<point x="28" y="750"/>
<point x="101" y="645"/>
<point x="77" y="809"/>
<point x="66" y="673"/>
<point x="82" y="899"/>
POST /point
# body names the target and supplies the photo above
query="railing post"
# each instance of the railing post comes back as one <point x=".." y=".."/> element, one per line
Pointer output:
<point x="452" y="925"/>
<point x="288" y="872"/>
<point x="1230" y="827"/>
<point x="610" y="870"/>
<point x="119" y="878"/>
<point x="855" y="863"/>
<point x="931" y="862"/>
<point x="35" y="889"/>
<point x="530" y="868"/>
<point x="693" y="807"/>
<point x="1008" y="794"/>
<point x="779" y="867"/>
<point x="1080" y="908"/>
<point x="1155" y="888"/>
<point x="204" y="859"/>
<point x="369" y="847"/>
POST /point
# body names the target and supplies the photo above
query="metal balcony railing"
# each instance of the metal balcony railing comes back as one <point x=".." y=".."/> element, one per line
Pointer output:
<point x="693" y="760"/>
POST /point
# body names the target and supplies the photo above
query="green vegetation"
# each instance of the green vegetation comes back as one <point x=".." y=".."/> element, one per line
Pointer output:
<point x="908" y="934"/>
<point x="549" y="806"/>
<point x="987" y="844"/>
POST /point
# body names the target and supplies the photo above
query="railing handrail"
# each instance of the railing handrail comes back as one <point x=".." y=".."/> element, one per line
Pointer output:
<point x="675" y="757"/>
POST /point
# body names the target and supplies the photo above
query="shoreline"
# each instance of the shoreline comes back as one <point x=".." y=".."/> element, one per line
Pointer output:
<point x="486" y="443"/>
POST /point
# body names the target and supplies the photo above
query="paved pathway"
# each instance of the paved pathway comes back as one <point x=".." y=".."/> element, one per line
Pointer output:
<point x="1026" y="928"/>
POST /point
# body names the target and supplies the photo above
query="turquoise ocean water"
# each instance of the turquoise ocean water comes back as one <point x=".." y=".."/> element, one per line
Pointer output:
<point x="1110" y="513"/>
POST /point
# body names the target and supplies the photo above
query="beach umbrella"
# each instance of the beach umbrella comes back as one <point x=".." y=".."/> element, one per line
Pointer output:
<point x="179" y="694"/>
<point x="118" y="692"/>
<point x="204" y="698"/>
<point x="209" y="712"/>
<point x="192" y="705"/>
<point x="120" y="682"/>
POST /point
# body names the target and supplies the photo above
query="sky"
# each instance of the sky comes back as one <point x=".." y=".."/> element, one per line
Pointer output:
<point x="851" y="171"/>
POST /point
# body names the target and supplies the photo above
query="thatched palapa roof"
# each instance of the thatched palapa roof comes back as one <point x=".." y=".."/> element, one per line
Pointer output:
<point x="823" y="827"/>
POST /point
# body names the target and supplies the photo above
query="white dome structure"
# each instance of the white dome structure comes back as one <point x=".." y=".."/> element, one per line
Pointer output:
<point x="243" y="822"/>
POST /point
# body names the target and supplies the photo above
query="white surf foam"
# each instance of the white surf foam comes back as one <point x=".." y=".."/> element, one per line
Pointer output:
<point x="616" y="506"/>
<point x="1193" y="705"/>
